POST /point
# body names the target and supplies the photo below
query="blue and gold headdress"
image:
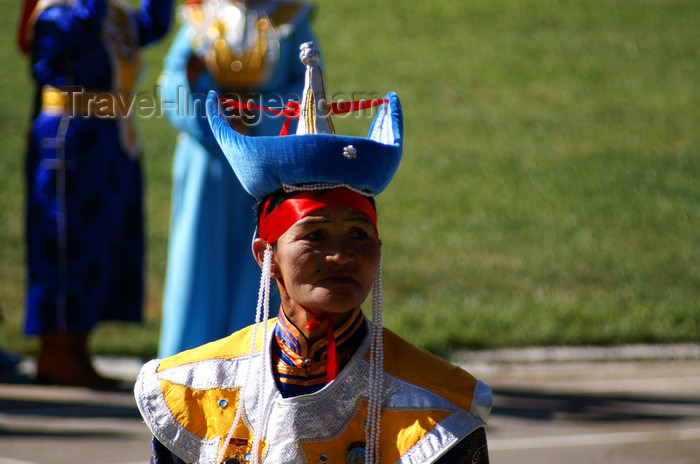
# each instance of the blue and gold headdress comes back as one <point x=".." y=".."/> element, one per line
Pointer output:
<point x="315" y="155"/>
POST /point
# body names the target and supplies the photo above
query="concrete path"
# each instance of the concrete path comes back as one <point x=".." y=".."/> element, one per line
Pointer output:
<point x="606" y="412"/>
<point x="67" y="425"/>
<point x="632" y="405"/>
<point x="558" y="406"/>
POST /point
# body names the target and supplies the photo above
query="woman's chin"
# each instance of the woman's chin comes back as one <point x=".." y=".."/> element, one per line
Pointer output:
<point x="334" y="305"/>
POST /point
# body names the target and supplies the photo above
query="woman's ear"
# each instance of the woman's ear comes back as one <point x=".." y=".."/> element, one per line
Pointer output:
<point x="259" y="246"/>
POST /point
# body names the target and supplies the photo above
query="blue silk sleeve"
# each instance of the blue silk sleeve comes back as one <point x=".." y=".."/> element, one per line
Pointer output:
<point x="153" y="18"/>
<point x="67" y="46"/>
<point x="68" y="37"/>
<point x="183" y="104"/>
<point x="162" y="455"/>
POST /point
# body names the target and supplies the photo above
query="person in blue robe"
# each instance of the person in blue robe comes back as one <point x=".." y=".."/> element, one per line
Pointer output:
<point x="247" y="51"/>
<point x="84" y="220"/>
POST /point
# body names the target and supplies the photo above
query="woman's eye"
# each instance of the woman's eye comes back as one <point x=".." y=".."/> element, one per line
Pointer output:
<point x="314" y="235"/>
<point x="358" y="233"/>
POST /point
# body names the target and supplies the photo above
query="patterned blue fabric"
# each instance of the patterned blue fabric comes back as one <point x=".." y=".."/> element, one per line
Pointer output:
<point x="162" y="455"/>
<point x="212" y="278"/>
<point x="300" y="369"/>
<point x="84" y="226"/>
<point x="67" y="48"/>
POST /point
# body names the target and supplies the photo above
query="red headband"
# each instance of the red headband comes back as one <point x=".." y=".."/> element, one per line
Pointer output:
<point x="284" y="216"/>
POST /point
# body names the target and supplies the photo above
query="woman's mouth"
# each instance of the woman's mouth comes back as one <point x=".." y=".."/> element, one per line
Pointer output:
<point x="339" y="278"/>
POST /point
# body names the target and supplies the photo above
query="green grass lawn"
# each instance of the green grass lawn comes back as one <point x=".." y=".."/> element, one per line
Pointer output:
<point x="550" y="186"/>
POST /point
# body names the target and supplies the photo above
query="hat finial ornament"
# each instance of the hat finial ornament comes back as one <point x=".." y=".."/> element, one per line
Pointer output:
<point x="314" y="117"/>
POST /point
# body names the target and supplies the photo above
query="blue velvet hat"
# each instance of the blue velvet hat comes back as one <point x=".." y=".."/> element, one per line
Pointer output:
<point x="314" y="155"/>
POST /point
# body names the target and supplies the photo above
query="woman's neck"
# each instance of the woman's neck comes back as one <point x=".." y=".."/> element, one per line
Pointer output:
<point x="310" y="324"/>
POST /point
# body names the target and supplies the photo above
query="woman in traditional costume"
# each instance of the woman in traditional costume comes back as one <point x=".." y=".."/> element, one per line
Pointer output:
<point x="84" y="226"/>
<point x="244" y="50"/>
<point x="319" y="383"/>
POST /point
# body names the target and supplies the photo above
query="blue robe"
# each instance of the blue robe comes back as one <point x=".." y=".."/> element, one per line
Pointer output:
<point x="84" y="227"/>
<point x="212" y="278"/>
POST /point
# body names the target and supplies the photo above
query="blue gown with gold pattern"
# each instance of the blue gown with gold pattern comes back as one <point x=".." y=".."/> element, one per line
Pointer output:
<point x="211" y="286"/>
<point x="84" y="228"/>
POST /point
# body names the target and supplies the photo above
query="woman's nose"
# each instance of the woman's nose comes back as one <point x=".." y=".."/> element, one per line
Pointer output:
<point x="340" y="251"/>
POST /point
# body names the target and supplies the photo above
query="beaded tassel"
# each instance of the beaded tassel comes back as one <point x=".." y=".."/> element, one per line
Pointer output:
<point x="262" y="422"/>
<point x="263" y="302"/>
<point x="376" y="371"/>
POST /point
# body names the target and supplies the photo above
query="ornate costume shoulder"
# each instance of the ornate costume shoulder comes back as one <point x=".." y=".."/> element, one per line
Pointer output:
<point x="423" y="369"/>
<point x="234" y="346"/>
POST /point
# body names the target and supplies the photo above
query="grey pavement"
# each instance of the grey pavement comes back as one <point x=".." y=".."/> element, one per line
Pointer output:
<point x="626" y="405"/>
<point x="637" y="404"/>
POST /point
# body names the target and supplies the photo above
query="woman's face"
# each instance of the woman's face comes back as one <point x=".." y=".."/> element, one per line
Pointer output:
<point x="327" y="261"/>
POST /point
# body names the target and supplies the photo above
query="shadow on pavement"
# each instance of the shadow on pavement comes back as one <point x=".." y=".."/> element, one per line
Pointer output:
<point x="65" y="409"/>
<point x="546" y="406"/>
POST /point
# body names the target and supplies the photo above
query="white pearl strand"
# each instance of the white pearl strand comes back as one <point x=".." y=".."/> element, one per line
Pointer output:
<point x="376" y="371"/>
<point x="263" y="302"/>
<point x="262" y="422"/>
